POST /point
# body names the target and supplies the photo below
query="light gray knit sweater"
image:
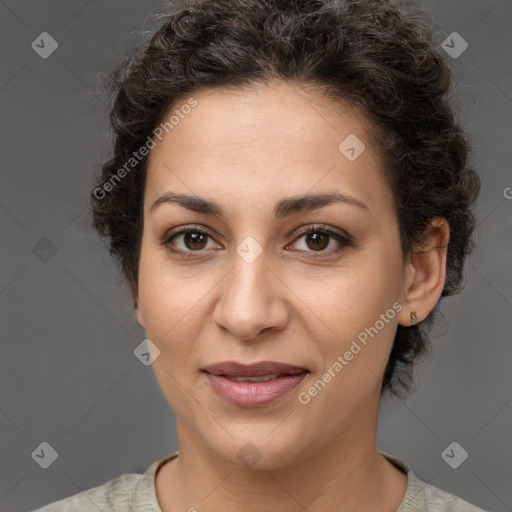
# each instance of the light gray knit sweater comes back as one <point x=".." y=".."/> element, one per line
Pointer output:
<point x="136" y="492"/>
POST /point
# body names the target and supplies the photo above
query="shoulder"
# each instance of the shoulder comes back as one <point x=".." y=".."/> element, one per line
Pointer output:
<point x="130" y="491"/>
<point x="117" y="494"/>
<point x="433" y="499"/>
<point x="442" y="501"/>
<point x="421" y="496"/>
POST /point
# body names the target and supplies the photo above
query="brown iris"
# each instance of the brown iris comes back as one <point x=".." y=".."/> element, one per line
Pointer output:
<point x="317" y="239"/>
<point x="195" y="241"/>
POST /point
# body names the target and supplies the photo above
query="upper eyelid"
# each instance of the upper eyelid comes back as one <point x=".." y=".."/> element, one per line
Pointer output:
<point x="303" y="230"/>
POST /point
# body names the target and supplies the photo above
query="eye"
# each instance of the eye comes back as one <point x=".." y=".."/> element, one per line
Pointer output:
<point x="187" y="240"/>
<point x="320" y="239"/>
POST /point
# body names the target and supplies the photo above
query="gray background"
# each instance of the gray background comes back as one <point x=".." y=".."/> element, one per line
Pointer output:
<point x="67" y="369"/>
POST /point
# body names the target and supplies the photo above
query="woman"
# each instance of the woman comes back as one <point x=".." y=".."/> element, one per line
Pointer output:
<point x="289" y="199"/>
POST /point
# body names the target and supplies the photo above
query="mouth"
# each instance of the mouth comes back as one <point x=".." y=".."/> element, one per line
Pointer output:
<point x="256" y="384"/>
<point x="256" y="372"/>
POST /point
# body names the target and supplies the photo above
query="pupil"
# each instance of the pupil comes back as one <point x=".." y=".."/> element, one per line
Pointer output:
<point x="196" y="239"/>
<point x="317" y="239"/>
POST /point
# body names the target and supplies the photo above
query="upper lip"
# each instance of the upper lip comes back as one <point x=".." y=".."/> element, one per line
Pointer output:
<point x="259" y="369"/>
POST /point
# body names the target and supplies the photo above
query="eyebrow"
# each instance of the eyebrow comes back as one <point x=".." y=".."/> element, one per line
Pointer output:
<point x="283" y="208"/>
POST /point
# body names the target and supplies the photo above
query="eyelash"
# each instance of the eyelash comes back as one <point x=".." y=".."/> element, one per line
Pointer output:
<point x="344" y="241"/>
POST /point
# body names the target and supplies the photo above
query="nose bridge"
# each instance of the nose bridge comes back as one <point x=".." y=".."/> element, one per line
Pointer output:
<point x="249" y="302"/>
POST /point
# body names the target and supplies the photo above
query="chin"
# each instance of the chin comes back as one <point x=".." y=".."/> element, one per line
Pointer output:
<point x="257" y="450"/>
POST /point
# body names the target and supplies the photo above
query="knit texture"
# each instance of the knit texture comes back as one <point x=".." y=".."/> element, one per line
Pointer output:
<point x="136" y="492"/>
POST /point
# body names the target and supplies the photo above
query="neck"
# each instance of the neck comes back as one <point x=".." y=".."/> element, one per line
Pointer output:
<point x="346" y="474"/>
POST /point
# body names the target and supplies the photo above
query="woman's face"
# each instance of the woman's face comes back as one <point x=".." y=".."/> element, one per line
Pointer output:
<point x="248" y="286"/>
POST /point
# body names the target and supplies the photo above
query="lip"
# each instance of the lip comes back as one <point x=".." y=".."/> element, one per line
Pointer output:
<point x="235" y="369"/>
<point x="253" y="394"/>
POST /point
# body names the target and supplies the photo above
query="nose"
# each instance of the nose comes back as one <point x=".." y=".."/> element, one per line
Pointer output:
<point x="251" y="300"/>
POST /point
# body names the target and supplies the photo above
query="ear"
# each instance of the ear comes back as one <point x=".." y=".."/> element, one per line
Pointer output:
<point x="136" y="306"/>
<point x="425" y="273"/>
<point x="139" y="318"/>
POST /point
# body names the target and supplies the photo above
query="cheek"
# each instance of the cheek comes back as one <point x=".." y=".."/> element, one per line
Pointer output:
<point x="166" y="302"/>
<point x="358" y="313"/>
<point x="351" y="298"/>
<point x="165" y="293"/>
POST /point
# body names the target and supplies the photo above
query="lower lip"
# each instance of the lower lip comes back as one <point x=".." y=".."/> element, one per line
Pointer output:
<point x="252" y="394"/>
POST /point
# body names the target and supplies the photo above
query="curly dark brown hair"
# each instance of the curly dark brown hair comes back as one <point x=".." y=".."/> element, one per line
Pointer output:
<point x="377" y="55"/>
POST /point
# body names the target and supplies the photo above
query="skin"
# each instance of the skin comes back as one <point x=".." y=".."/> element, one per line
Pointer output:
<point x="246" y="150"/>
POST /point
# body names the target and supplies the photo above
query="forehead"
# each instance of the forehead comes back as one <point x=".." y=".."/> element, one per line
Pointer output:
<point x="278" y="111"/>
<point x="269" y="140"/>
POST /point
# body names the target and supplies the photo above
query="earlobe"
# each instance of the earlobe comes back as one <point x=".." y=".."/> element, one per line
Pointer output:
<point x="139" y="319"/>
<point x="425" y="273"/>
<point x="136" y="306"/>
